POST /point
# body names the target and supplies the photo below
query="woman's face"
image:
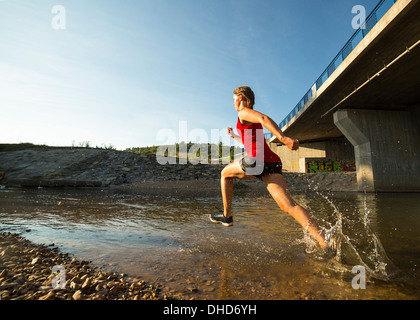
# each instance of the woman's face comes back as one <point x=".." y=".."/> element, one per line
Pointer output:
<point x="237" y="101"/>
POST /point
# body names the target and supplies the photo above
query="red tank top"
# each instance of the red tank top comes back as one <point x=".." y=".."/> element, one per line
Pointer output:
<point x="252" y="136"/>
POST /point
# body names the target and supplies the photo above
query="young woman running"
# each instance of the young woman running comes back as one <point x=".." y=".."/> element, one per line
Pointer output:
<point x="262" y="163"/>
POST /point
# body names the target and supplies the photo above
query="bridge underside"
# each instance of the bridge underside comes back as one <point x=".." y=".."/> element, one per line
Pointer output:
<point x="378" y="113"/>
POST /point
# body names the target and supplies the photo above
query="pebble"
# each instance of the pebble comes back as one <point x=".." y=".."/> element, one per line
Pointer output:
<point x="78" y="295"/>
<point x="49" y="296"/>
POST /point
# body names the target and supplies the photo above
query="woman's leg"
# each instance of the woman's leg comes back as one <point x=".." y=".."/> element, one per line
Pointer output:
<point x="230" y="172"/>
<point x="278" y="189"/>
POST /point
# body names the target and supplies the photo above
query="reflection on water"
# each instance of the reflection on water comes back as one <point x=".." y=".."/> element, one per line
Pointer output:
<point x="265" y="255"/>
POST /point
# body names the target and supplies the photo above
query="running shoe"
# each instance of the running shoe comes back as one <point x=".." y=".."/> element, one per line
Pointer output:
<point x="220" y="218"/>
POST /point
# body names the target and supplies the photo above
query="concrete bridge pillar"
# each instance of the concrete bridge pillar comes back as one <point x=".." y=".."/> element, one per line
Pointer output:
<point x="387" y="148"/>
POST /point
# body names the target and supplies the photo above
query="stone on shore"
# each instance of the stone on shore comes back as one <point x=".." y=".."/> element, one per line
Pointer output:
<point x="78" y="295"/>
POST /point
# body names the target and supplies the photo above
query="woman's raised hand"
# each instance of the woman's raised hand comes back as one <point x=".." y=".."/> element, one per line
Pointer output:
<point x="230" y="132"/>
<point x="292" y="144"/>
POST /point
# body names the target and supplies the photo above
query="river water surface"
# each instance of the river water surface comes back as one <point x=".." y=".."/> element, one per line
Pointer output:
<point x="169" y="240"/>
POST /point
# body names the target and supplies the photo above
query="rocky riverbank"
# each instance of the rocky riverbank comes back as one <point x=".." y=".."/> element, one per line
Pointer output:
<point x="26" y="268"/>
<point x="26" y="273"/>
<point x="80" y="167"/>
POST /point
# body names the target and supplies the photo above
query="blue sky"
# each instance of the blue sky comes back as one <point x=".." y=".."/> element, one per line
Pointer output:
<point x="123" y="71"/>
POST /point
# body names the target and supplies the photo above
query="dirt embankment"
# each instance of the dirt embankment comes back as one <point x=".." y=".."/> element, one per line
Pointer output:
<point x="79" y="167"/>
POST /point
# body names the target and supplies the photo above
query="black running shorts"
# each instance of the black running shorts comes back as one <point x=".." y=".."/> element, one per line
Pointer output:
<point x="259" y="169"/>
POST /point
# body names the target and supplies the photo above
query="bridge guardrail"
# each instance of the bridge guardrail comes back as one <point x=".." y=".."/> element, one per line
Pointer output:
<point x="377" y="13"/>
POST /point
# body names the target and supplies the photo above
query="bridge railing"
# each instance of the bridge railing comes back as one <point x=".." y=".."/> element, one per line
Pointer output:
<point x="378" y="12"/>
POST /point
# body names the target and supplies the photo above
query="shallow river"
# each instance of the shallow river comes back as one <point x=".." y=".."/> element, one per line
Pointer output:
<point x="169" y="240"/>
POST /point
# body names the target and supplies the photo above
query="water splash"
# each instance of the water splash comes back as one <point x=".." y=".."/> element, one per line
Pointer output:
<point x="356" y="245"/>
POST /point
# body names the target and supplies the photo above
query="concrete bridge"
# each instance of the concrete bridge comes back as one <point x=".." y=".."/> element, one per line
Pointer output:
<point x="365" y="107"/>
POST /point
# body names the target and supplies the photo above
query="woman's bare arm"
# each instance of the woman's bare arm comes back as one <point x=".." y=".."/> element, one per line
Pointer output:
<point x="249" y="115"/>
